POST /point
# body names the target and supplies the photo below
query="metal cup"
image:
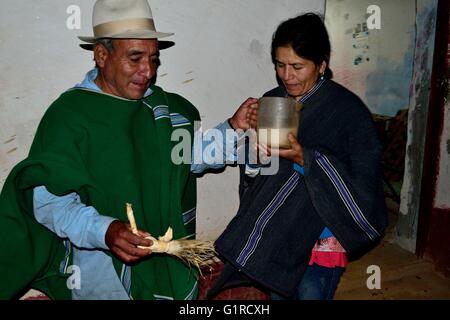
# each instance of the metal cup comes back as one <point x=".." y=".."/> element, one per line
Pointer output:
<point x="277" y="117"/>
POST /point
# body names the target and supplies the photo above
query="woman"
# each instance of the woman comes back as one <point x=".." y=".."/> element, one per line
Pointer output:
<point x="300" y="70"/>
<point x="294" y="230"/>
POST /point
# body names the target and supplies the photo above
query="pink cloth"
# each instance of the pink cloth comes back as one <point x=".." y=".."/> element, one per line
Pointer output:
<point x="328" y="253"/>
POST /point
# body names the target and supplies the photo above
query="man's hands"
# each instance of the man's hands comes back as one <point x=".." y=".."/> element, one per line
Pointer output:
<point x="124" y="244"/>
<point x="246" y="115"/>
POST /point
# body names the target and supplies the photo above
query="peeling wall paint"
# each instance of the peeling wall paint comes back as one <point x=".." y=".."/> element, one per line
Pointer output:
<point x="406" y="229"/>
<point x="376" y="64"/>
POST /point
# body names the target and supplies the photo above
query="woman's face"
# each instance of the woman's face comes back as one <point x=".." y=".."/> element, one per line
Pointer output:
<point x="299" y="75"/>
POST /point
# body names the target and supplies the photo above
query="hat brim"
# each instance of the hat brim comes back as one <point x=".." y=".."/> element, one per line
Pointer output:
<point x="161" y="45"/>
<point x="132" y="34"/>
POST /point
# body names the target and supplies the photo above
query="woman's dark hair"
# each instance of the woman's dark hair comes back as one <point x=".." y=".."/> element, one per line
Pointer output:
<point x="308" y="36"/>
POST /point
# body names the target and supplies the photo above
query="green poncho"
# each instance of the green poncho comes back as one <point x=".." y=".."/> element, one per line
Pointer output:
<point x="110" y="151"/>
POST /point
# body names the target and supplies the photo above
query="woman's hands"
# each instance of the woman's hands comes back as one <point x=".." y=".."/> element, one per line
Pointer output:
<point x="295" y="153"/>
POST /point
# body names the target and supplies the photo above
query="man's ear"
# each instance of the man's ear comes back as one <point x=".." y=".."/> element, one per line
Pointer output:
<point x="100" y="55"/>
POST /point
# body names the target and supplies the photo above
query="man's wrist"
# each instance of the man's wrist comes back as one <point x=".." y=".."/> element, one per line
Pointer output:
<point x="102" y="224"/>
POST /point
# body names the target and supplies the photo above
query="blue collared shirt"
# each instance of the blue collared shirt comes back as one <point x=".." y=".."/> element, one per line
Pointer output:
<point x="85" y="228"/>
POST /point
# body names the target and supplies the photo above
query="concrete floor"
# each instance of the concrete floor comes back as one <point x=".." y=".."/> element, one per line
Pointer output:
<point x="403" y="275"/>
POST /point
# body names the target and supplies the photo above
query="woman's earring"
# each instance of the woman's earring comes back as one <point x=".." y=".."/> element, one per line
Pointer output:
<point x="322" y="76"/>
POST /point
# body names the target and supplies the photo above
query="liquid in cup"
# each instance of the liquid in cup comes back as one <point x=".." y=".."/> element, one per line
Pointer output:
<point x="277" y="117"/>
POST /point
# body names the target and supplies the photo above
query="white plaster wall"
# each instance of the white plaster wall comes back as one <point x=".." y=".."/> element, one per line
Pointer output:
<point x="220" y="58"/>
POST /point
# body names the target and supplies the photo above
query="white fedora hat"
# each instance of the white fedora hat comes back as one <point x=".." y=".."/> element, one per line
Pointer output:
<point x="123" y="19"/>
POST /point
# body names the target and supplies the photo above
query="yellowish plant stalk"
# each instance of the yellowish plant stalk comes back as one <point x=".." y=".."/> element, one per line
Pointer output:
<point x="198" y="253"/>
<point x="131" y="219"/>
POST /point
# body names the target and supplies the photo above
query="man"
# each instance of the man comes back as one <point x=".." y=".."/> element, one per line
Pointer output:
<point x="100" y="145"/>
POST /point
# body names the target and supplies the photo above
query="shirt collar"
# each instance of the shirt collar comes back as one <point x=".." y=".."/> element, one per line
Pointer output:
<point x="89" y="83"/>
<point x="310" y="93"/>
<point x="307" y="95"/>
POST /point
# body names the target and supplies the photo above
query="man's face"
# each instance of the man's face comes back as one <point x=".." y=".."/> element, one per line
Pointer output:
<point x="127" y="70"/>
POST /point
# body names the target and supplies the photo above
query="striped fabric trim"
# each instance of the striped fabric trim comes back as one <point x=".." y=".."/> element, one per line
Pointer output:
<point x="160" y="112"/>
<point x="264" y="218"/>
<point x="147" y="105"/>
<point x="190" y="296"/>
<point x="178" y="120"/>
<point x="65" y="263"/>
<point x="125" y="278"/>
<point x="189" y="216"/>
<point x="346" y="196"/>
<point x="312" y="91"/>
<point x="160" y="297"/>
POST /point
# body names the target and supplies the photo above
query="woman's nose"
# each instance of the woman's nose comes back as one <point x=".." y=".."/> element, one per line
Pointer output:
<point x="285" y="74"/>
